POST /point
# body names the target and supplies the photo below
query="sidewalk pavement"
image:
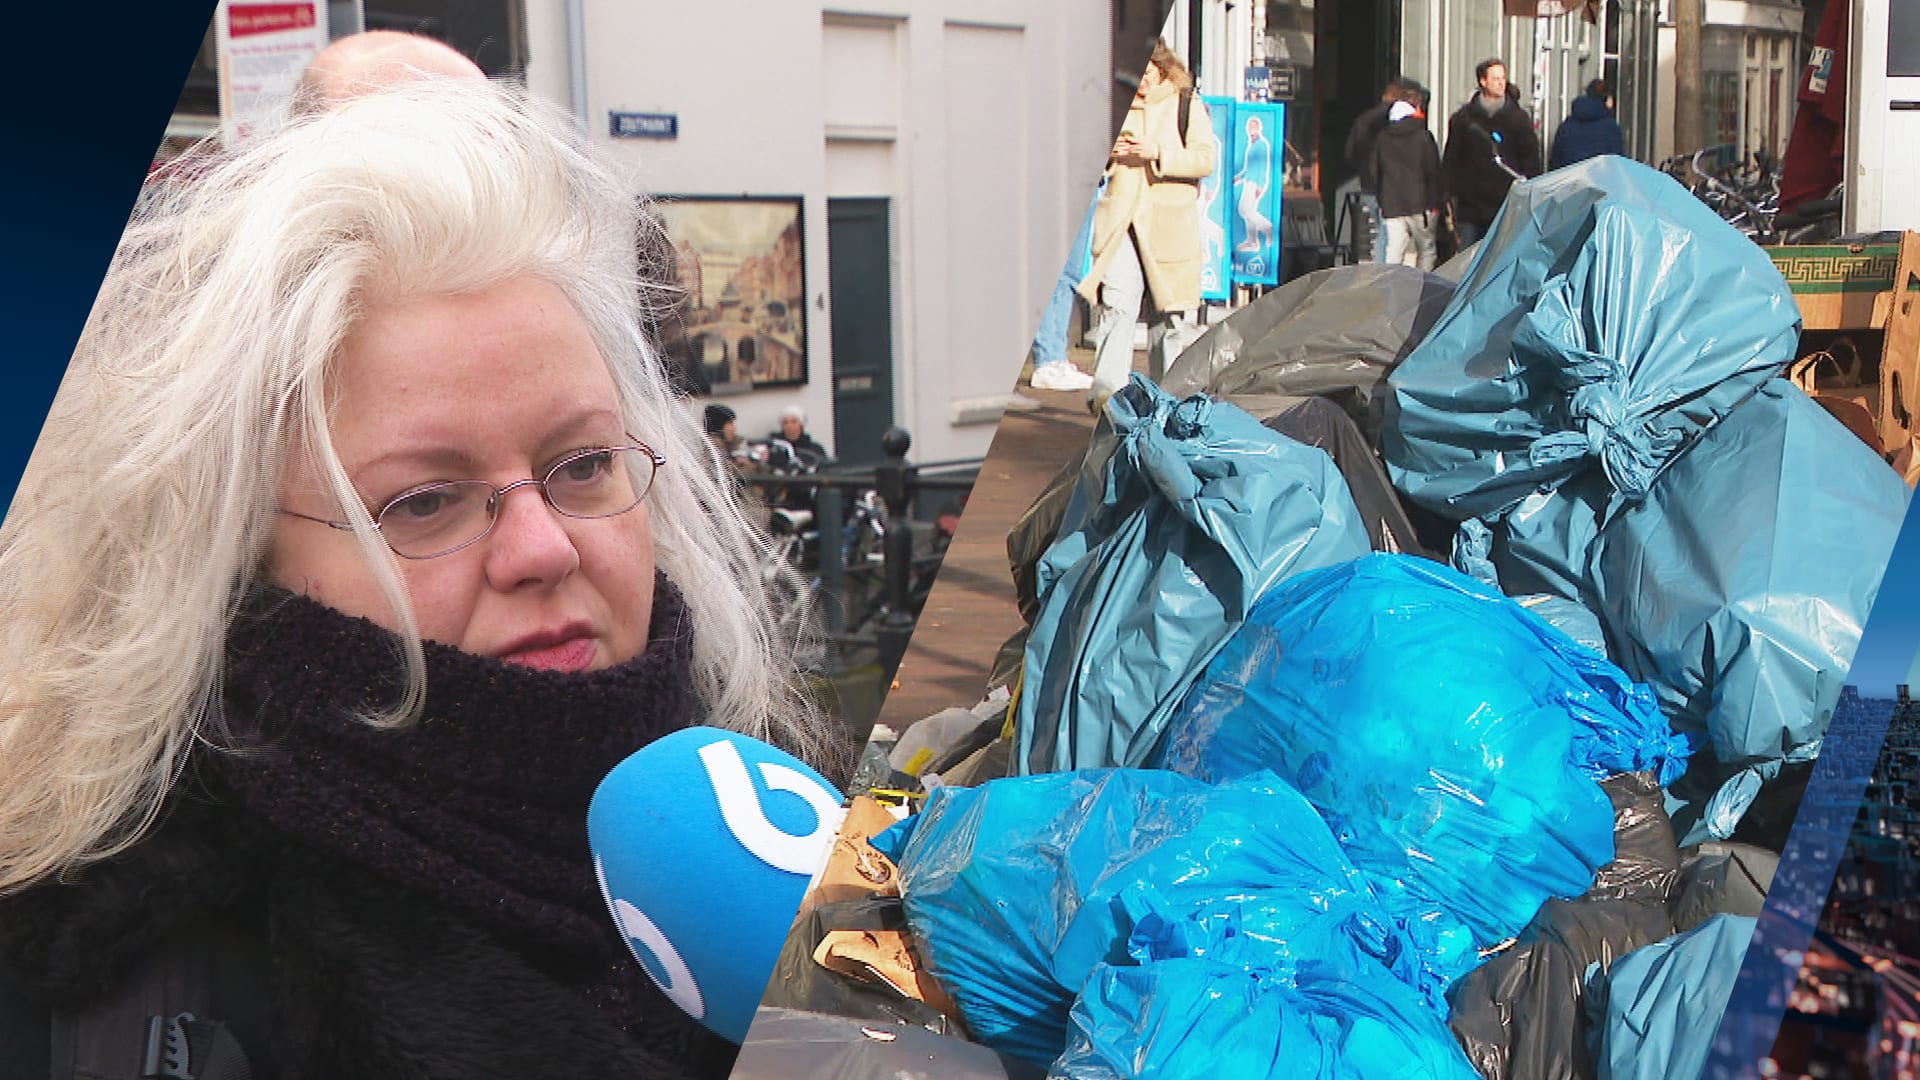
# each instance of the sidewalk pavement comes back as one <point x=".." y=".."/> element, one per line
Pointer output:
<point x="971" y="610"/>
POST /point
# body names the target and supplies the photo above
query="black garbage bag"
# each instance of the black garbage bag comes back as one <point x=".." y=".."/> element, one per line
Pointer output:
<point x="800" y="983"/>
<point x="1039" y="527"/>
<point x="789" y="1044"/>
<point x="1317" y="421"/>
<point x="1722" y="879"/>
<point x="1333" y="333"/>
<point x="1520" y="1016"/>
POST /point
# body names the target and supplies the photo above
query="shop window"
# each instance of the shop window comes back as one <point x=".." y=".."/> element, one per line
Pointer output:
<point x="1290" y="42"/>
<point x="1721" y="93"/>
<point x="490" y="32"/>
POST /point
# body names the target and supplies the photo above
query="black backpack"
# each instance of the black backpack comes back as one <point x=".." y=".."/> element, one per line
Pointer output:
<point x="174" y="1018"/>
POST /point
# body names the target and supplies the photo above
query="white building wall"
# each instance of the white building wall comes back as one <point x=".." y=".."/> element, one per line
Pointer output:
<point x="1740" y="37"/>
<point x="984" y="121"/>
<point x="1443" y="41"/>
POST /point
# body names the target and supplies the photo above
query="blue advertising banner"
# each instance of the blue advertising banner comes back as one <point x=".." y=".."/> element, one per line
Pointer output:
<point x="1257" y="126"/>
<point x="1216" y="269"/>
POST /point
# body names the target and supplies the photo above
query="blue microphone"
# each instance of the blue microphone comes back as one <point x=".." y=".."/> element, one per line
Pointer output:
<point x="704" y="842"/>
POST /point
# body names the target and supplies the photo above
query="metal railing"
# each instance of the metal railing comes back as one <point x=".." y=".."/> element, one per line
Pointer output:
<point x="899" y="484"/>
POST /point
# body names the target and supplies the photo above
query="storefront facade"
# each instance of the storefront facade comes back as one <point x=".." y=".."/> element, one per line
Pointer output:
<point x="932" y="159"/>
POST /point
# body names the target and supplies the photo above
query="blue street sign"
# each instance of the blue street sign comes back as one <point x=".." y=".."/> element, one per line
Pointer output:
<point x="1259" y="79"/>
<point x="625" y="125"/>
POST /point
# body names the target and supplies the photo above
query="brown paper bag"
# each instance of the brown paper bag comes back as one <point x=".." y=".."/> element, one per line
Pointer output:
<point x="1840" y="390"/>
<point x="855" y="869"/>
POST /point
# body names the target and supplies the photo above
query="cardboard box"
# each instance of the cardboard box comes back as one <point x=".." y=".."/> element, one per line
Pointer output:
<point x="1849" y="286"/>
<point x="1868" y="287"/>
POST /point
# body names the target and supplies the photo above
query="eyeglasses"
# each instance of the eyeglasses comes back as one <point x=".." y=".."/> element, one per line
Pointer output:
<point x="438" y="519"/>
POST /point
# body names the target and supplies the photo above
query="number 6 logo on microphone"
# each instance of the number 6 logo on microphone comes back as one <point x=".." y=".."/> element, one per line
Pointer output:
<point x="747" y="820"/>
<point x="704" y="840"/>
<point x="677" y="981"/>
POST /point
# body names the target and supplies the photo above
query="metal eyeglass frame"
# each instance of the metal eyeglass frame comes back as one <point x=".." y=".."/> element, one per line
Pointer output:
<point x="499" y="495"/>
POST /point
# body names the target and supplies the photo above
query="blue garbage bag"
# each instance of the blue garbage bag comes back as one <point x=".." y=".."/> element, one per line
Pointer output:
<point x="1738" y="590"/>
<point x="1653" y="1014"/>
<point x="1198" y="1018"/>
<point x="1184" y="514"/>
<point x="1453" y="740"/>
<point x="1608" y="318"/>
<point x="1019" y="888"/>
<point x="1265" y="929"/>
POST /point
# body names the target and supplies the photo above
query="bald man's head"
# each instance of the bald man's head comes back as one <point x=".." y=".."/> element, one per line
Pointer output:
<point x="363" y="63"/>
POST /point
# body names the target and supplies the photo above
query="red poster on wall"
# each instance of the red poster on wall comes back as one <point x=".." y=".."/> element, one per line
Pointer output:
<point x="263" y="49"/>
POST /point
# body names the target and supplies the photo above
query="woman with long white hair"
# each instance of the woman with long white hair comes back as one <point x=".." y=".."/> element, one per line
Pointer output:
<point x="364" y="536"/>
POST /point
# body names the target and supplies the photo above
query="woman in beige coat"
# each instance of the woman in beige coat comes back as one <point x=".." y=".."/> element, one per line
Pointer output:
<point x="1146" y="230"/>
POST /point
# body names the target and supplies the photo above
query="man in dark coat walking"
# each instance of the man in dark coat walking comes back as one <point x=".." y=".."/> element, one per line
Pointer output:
<point x="1589" y="129"/>
<point x="1360" y="138"/>
<point x="1490" y="144"/>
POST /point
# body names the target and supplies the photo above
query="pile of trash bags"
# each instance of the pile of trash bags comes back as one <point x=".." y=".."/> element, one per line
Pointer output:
<point x="1415" y="685"/>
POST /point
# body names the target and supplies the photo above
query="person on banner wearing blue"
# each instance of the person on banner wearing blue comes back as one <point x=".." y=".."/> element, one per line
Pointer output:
<point x="1213" y="239"/>
<point x="1405" y="170"/>
<point x="1253" y="182"/>
<point x="1146" y="230"/>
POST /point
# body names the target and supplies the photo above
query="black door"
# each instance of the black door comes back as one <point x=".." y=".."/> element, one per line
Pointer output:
<point x="860" y="281"/>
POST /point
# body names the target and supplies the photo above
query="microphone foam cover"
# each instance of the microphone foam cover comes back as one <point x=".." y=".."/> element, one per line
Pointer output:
<point x="704" y="841"/>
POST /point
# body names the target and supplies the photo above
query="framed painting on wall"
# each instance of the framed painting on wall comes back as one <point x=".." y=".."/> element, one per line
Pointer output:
<point x="740" y="320"/>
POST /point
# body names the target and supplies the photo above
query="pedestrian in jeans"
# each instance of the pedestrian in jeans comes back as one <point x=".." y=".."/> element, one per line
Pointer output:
<point x="1405" y="170"/>
<point x="1051" y="368"/>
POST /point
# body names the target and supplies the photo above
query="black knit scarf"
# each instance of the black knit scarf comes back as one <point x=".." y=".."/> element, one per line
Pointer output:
<point x="481" y="806"/>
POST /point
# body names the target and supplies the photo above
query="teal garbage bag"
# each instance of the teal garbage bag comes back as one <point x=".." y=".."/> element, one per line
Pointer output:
<point x="1738" y="588"/>
<point x="1453" y="740"/>
<point x="1543" y="544"/>
<point x="1653" y="1014"/>
<point x="1174" y="529"/>
<point x="1607" y="319"/>
<point x="1018" y="889"/>
<point x="1192" y="1018"/>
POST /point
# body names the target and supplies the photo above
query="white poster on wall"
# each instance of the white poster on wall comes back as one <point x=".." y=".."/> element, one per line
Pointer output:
<point x="263" y="49"/>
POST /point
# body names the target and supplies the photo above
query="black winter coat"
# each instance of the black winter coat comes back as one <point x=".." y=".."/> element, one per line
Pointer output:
<point x="1588" y="131"/>
<point x="1366" y="129"/>
<point x="387" y="985"/>
<point x="1406" y="169"/>
<point x="1475" y="182"/>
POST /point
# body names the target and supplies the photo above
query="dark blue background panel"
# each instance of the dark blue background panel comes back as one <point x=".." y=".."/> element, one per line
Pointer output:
<point x="1888" y="645"/>
<point x="93" y="88"/>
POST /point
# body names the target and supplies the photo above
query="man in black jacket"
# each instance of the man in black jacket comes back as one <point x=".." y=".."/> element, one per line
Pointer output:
<point x="1405" y="171"/>
<point x="1360" y="138"/>
<point x="1490" y="144"/>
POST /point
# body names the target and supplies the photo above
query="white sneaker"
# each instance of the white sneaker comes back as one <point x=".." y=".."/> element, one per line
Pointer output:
<point x="1060" y="375"/>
